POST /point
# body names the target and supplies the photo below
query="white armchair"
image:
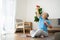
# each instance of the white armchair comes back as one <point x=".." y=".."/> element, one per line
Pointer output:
<point x="24" y="25"/>
<point x="20" y="24"/>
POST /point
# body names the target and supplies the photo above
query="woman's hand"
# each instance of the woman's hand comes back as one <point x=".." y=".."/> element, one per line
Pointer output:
<point x="50" y="26"/>
<point x="47" y="24"/>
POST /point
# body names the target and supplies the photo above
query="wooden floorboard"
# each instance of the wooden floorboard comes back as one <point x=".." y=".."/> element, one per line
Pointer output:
<point x="18" y="36"/>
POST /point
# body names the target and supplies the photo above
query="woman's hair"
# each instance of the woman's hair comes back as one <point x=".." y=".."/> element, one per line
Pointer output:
<point x="47" y="16"/>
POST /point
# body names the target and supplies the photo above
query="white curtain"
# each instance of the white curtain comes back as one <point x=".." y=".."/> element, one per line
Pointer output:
<point x="1" y="18"/>
<point x="8" y="16"/>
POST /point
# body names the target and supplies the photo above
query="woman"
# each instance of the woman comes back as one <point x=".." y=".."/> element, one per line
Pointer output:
<point x="43" y="23"/>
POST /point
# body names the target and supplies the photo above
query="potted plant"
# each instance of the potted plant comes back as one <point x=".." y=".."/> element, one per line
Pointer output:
<point x="36" y="19"/>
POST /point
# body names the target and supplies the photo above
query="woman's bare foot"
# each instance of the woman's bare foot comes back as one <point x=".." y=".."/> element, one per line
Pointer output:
<point x="42" y="36"/>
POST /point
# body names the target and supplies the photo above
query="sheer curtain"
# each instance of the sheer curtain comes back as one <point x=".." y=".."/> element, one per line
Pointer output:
<point x="8" y="16"/>
<point x="1" y="17"/>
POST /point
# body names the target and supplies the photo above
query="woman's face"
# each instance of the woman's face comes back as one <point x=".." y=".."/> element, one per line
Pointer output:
<point x="44" y="15"/>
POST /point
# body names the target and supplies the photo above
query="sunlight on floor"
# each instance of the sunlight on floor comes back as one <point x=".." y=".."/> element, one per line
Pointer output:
<point x="7" y="37"/>
<point x="17" y="36"/>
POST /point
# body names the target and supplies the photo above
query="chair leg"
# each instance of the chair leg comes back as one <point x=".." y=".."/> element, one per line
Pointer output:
<point x="23" y="30"/>
<point x="30" y="29"/>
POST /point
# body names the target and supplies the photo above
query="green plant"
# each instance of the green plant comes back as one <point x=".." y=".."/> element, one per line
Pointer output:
<point x="40" y="11"/>
<point x="36" y="19"/>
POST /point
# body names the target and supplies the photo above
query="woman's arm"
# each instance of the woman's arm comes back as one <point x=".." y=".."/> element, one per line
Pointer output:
<point x="48" y="25"/>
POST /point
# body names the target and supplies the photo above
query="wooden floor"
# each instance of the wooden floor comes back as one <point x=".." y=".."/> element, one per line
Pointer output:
<point x="18" y="37"/>
<point x="21" y="36"/>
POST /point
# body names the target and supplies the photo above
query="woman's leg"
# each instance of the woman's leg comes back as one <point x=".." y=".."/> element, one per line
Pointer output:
<point x="31" y="33"/>
<point x="45" y="33"/>
<point x="35" y="33"/>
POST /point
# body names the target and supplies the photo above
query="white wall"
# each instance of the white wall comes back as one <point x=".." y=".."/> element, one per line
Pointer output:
<point x="26" y="9"/>
<point x="21" y="9"/>
<point x="50" y="6"/>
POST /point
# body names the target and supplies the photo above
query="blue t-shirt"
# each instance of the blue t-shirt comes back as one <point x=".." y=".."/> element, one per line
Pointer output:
<point x="41" y="24"/>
